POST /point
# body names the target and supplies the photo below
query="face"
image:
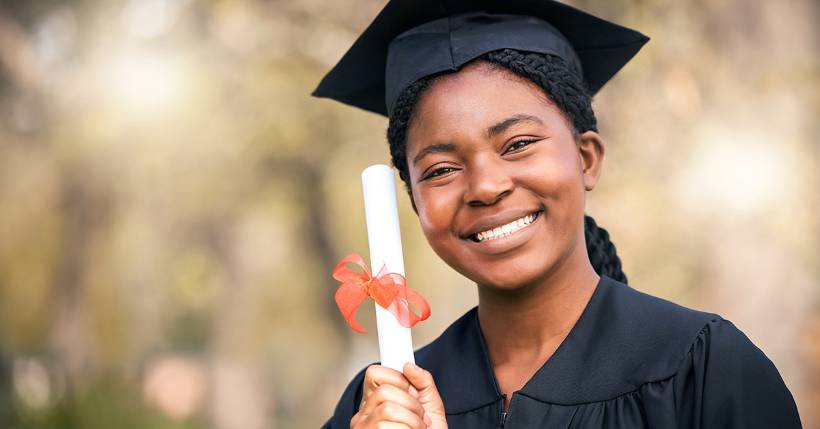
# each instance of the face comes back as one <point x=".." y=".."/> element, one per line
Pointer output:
<point x="498" y="177"/>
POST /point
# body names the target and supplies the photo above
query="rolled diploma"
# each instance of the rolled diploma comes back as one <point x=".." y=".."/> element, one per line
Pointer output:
<point x="382" y="215"/>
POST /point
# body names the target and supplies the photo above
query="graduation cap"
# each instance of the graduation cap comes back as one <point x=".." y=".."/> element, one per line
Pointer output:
<point x="411" y="39"/>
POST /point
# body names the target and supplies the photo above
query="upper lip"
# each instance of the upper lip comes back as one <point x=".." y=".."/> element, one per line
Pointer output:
<point x="489" y="222"/>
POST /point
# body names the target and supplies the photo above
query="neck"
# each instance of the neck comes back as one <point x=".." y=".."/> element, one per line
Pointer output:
<point x="528" y="324"/>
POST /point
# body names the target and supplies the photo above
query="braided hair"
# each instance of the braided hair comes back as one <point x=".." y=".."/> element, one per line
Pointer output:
<point x="564" y="87"/>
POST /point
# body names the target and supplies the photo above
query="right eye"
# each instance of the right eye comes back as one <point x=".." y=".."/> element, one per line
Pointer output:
<point x="438" y="172"/>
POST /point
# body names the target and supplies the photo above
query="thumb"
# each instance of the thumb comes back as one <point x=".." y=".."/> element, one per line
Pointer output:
<point x="423" y="382"/>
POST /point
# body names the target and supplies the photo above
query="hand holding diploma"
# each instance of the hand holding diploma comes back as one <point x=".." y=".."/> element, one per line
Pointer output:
<point x="393" y="399"/>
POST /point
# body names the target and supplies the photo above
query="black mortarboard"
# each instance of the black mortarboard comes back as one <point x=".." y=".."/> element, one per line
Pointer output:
<point x="411" y="39"/>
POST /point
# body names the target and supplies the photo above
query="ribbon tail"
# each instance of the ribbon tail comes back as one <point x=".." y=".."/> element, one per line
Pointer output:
<point x="401" y="308"/>
<point x="416" y="300"/>
<point x="348" y="297"/>
<point x="402" y="312"/>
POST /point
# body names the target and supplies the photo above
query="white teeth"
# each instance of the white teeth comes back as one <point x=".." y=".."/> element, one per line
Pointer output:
<point x="505" y="230"/>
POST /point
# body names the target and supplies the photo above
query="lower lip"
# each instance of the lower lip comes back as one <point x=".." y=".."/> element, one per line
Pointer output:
<point x="505" y="244"/>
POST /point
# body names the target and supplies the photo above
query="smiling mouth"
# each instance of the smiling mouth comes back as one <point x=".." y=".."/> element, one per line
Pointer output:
<point x="506" y="229"/>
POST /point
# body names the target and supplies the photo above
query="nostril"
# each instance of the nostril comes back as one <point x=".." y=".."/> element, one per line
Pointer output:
<point x="479" y="201"/>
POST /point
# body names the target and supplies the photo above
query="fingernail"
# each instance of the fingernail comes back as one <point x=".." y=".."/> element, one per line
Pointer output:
<point x="427" y="420"/>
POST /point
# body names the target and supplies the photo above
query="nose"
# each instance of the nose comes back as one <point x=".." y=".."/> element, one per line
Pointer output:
<point x="488" y="183"/>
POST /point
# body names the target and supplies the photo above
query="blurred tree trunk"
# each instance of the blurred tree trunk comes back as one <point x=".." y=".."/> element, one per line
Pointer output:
<point x="84" y="213"/>
<point x="310" y="179"/>
<point x="240" y="391"/>
<point x="82" y="210"/>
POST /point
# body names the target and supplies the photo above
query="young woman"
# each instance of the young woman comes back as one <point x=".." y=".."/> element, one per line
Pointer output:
<point x="492" y="131"/>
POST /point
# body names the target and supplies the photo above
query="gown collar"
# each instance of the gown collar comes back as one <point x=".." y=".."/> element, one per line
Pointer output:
<point x="460" y="363"/>
<point x="623" y="339"/>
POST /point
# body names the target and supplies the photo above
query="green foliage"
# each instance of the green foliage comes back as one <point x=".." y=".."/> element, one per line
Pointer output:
<point x="107" y="402"/>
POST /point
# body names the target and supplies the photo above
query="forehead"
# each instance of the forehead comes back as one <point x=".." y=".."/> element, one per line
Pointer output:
<point x="475" y="97"/>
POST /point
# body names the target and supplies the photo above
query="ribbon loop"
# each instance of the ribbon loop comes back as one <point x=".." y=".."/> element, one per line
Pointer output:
<point x="388" y="290"/>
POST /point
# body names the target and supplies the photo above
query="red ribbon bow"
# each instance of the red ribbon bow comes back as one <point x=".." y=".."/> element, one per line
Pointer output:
<point x="389" y="290"/>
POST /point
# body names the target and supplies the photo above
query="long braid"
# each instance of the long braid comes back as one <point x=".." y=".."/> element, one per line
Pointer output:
<point x="563" y="86"/>
<point x="601" y="251"/>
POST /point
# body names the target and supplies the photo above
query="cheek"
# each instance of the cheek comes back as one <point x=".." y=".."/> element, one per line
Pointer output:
<point x="555" y="176"/>
<point x="436" y="211"/>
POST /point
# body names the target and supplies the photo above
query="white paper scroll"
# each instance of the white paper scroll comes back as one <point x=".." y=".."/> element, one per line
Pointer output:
<point x="382" y="214"/>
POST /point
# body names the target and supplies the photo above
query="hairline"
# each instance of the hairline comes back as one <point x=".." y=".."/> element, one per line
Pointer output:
<point x="487" y="67"/>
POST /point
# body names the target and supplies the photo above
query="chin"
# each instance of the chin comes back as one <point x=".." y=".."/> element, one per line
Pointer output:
<point x="511" y="279"/>
<point x="528" y="266"/>
<point x="511" y="274"/>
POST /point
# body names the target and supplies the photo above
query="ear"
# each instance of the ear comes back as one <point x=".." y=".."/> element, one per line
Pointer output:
<point x="591" y="148"/>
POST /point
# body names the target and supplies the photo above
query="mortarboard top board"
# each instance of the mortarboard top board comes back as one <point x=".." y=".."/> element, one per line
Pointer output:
<point x="411" y="39"/>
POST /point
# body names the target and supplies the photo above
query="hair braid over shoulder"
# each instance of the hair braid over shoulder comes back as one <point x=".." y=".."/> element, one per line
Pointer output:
<point x="601" y="251"/>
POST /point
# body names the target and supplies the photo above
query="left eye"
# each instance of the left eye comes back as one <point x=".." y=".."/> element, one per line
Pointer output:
<point x="518" y="145"/>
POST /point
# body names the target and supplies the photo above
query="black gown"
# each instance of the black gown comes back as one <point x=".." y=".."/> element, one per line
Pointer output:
<point x="631" y="361"/>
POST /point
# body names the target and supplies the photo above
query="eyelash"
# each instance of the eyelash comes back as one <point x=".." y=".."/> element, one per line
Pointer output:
<point x="511" y="148"/>
<point x="437" y="172"/>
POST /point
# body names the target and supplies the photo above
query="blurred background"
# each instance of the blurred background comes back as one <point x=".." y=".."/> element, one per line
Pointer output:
<point x="172" y="201"/>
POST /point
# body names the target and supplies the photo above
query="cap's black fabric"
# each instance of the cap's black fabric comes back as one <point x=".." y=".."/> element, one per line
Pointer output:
<point x="411" y="39"/>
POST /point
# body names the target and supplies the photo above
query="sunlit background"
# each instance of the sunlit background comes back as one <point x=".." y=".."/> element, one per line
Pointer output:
<point x="172" y="201"/>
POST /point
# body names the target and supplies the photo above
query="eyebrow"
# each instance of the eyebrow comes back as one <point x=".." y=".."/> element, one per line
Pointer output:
<point x="492" y="131"/>
<point x="434" y="148"/>
<point x="507" y="123"/>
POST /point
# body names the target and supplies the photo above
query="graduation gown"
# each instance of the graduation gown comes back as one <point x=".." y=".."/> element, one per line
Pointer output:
<point x="631" y="361"/>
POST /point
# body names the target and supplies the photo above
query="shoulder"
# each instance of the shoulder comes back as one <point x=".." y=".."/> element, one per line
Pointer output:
<point x="714" y="363"/>
<point x="653" y="315"/>
<point x="680" y="331"/>
<point x="726" y="342"/>
<point x="727" y="356"/>
<point x="733" y="382"/>
<point x="627" y="339"/>
<point x="650" y="335"/>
